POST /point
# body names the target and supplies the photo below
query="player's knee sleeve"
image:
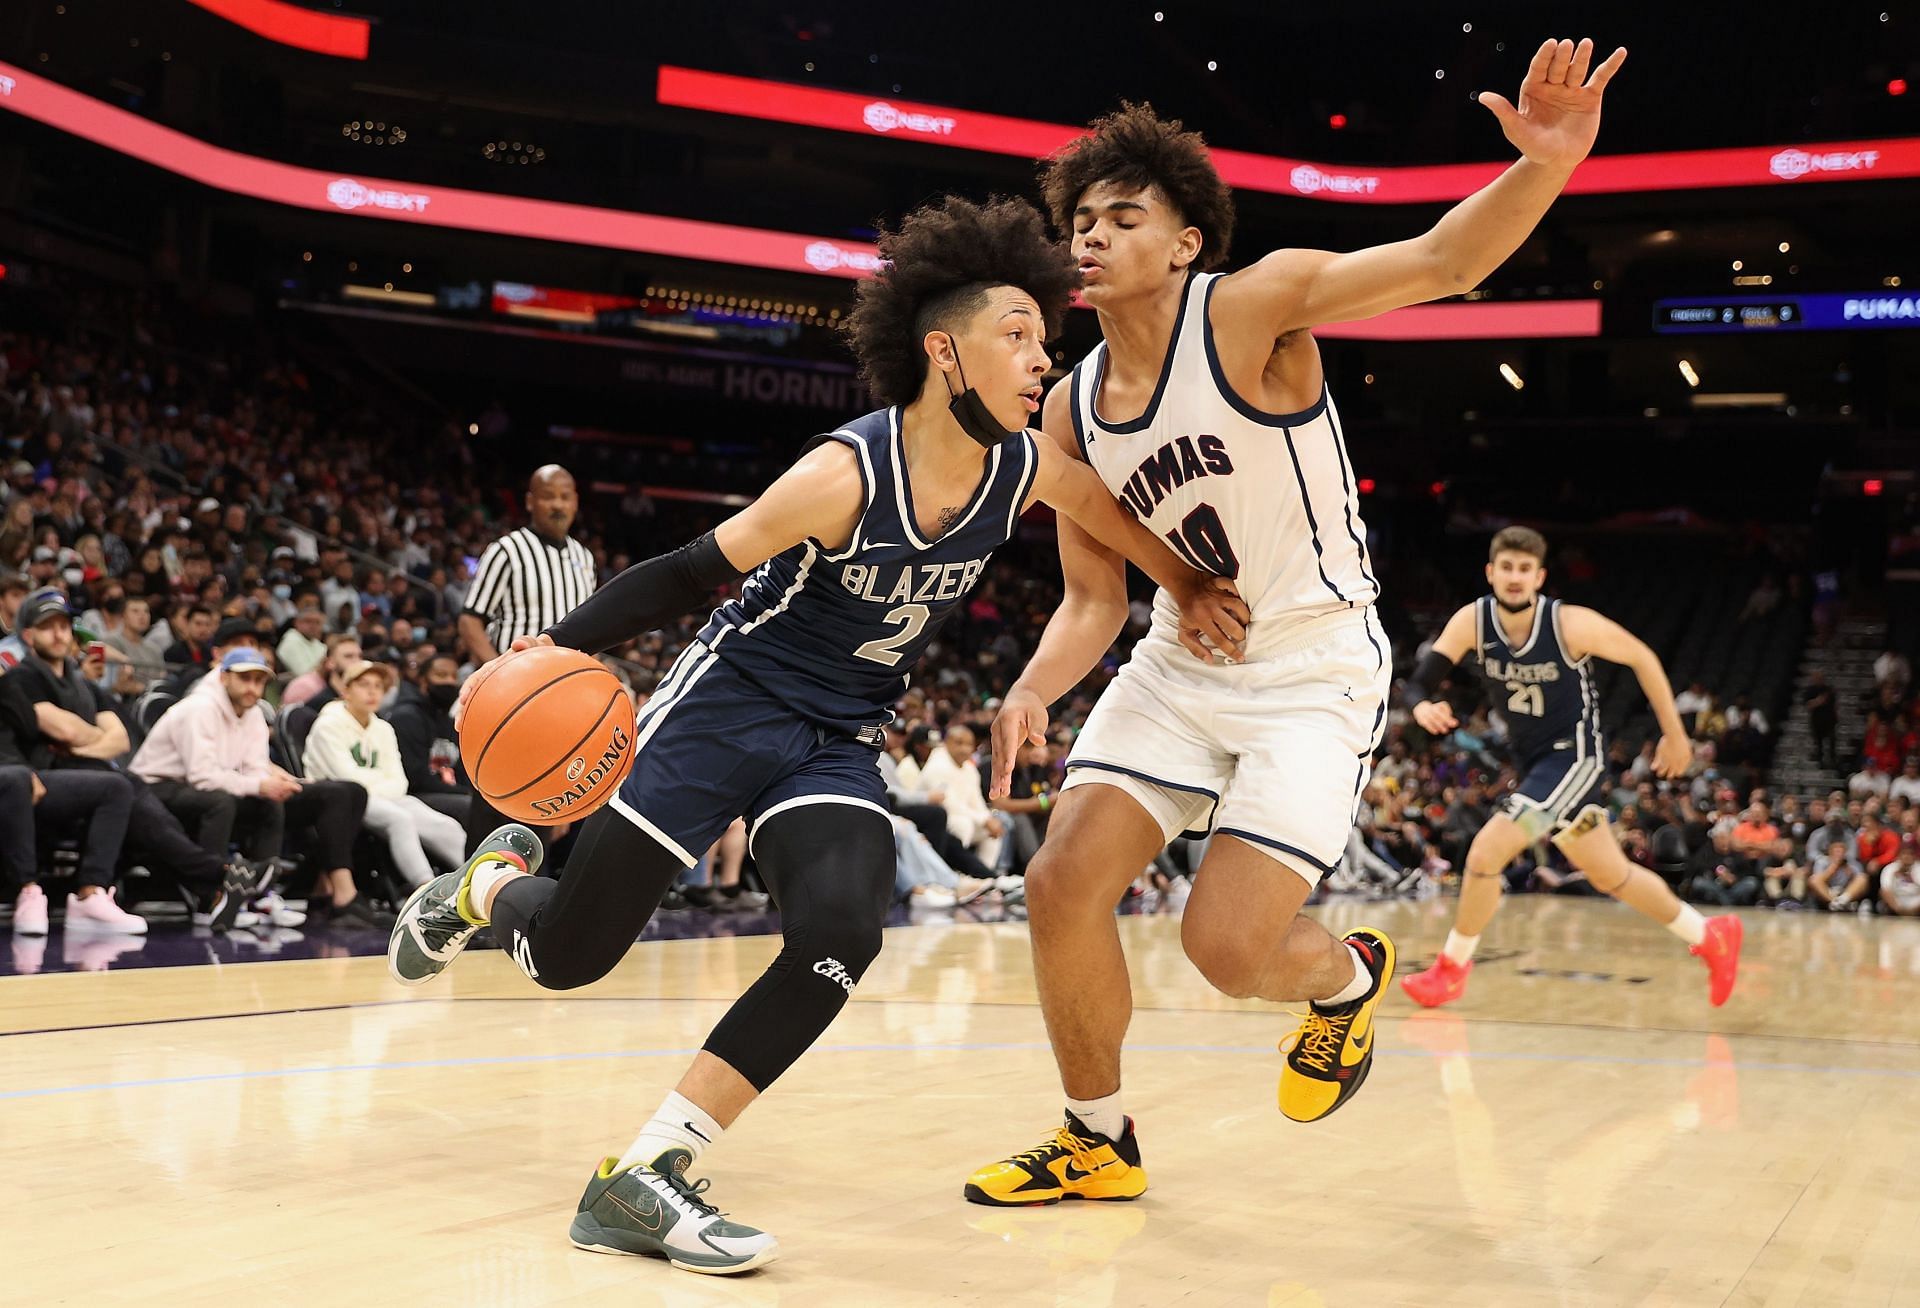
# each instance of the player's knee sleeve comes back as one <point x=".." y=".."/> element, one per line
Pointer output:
<point x="569" y="933"/>
<point x="830" y="868"/>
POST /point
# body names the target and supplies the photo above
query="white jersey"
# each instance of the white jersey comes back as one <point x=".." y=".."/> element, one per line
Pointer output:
<point x="1267" y="499"/>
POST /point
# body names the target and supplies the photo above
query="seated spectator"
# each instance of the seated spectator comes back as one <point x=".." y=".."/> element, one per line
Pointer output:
<point x="422" y="718"/>
<point x="1029" y="802"/>
<point x="1870" y="782"/>
<point x="1764" y="599"/>
<point x="207" y="761"/>
<point x="1900" y="880"/>
<point x="13" y="593"/>
<point x="1690" y="703"/>
<point x="1837" y="880"/>
<point x="303" y="647"/>
<point x="189" y="678"/>
<point x="1876" y="845"/>
<point x="950" y="770"/>
<point x="30" y="803"/>
<point x="194" y="642"/>
<point x="1906" y="786"/>
<point x="350" y="742"/>
<point x="318" y="687"/>
<point x="76" y="731"/>
<point x="133" y="664"/>
<point x="921" y="807"/>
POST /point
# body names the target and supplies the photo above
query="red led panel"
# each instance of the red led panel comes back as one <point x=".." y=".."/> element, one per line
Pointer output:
<point x="897" y="119"/>
<point x="328" y="34"/>
<point x="435" y="206"/>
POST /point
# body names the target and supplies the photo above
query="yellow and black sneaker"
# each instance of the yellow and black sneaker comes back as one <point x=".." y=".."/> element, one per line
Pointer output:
<point x="1329" y="1057"/>
<point x="1072" y="1163"/>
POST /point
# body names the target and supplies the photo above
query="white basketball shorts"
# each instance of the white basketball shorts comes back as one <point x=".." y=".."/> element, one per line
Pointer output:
<point x="1274" y="751"/>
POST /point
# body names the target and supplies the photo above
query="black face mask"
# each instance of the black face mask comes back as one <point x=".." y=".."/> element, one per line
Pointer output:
<point x="971" y="412"/>
<point x="442" y="697"/>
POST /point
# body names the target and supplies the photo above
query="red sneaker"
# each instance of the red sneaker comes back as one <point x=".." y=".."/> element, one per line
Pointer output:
<point x="1440" y="984"/>
<point x="1721" y="953"/>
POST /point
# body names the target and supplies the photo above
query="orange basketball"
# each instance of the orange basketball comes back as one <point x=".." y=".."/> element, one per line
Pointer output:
<point x="548" y="735"/>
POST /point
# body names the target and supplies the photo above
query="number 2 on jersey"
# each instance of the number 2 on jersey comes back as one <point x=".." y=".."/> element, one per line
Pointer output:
<point x="1201" y="539"/>
<point x="912" y="618"/>
<point x="1527" y="699"/>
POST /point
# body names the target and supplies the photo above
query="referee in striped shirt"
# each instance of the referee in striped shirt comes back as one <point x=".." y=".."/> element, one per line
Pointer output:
<point x="528" y="580"/>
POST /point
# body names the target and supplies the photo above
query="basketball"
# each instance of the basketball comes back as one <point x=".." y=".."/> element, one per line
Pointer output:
<point x="547" y="735"/>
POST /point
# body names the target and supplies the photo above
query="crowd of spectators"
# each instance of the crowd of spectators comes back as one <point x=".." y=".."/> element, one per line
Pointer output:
<point x="230" y="607"/>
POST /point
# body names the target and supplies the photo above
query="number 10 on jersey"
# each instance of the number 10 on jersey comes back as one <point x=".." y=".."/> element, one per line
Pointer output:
<point x="1201" y="539"/>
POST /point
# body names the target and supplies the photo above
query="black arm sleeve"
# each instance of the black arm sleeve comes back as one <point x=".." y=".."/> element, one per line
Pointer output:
<point x="645" y="597"/>
<point x="1432" y="670"/>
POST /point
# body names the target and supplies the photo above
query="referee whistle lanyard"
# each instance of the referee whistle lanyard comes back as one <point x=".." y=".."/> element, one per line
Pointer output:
<point x="971" y="412"/>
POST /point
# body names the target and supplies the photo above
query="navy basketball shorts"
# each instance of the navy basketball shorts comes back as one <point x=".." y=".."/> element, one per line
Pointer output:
<point x="1554" y="789"/>
<point x="711" y="746"/>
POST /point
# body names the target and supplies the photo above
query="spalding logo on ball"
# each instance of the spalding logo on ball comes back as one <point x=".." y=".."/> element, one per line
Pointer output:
<point x="550" y="735"/>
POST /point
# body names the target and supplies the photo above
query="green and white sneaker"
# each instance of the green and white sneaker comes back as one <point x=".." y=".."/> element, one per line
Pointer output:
<point x="654" y="1211"/>
<point x="437" y="920"/>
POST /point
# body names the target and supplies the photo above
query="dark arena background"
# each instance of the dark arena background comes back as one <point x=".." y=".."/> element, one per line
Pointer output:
<point x="297" y="297"/>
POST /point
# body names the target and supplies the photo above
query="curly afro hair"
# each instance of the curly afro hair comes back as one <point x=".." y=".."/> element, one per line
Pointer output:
<point x="1135" y="148"/>
<point x="939" y="266"/>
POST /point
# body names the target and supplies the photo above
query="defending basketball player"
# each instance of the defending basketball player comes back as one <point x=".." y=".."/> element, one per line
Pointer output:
<point x="1533" y="653"/>
<point x="1206" y="409"/>
<point x="857" y="554"/>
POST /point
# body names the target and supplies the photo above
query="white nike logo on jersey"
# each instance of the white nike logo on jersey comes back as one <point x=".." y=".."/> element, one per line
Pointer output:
<point x="881" y="544"/>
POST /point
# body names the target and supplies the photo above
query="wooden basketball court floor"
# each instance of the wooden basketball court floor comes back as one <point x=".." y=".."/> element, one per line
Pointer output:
<point x="1583" y="1129"/>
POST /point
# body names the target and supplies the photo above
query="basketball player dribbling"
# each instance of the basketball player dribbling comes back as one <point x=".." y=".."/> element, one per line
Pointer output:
<point x="1206" y="409"/>
<point x="857" y="554"/>
<point x="1533" y="652"/>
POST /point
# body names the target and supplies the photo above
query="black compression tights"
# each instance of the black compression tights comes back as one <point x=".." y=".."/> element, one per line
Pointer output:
<point x="830" y="869"/>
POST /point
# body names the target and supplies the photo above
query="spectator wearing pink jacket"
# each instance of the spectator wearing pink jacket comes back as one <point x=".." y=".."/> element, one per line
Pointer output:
<point x="207" y="761"/>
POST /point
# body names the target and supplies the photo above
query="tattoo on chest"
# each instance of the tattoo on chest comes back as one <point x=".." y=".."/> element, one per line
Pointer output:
<point x="948" y="516"/>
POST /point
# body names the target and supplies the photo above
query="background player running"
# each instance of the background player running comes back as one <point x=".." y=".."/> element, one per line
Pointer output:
<point x="1205" y="405"/>
<point x="1533" y="652"/>
<point x="857" y="554"/>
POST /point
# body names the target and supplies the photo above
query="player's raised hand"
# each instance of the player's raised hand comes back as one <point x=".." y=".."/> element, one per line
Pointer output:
<point x="1214" y="612"/>
<point x="1436" y="716"/>
<point x="1673" y="756"/>
<point x="1022" y="721"/>
<point x="1559" y="112"/>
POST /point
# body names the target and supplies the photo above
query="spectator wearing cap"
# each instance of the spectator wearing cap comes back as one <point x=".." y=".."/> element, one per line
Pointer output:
<point x="31" y="801"/>
<point x="304" y="646"/>
<point x="207" y="760"/>
<point x="43" y="567"/>
<point x="351" y="742"/>
<point x="77" y="732"/>
<point x="910" y="800"/>
<point x="1906" y="786"/>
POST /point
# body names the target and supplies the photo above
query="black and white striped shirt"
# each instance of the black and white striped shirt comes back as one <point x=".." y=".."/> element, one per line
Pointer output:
<point x="525" y="585"/>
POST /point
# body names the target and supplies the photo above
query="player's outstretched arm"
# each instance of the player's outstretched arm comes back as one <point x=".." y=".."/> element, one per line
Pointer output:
<point x="819" y="498"/>
<point x="1456" y="638"/>
<point x="1553" y="127"/>
<point x="1210" y="607"/>
<point x="1587" y="632"/>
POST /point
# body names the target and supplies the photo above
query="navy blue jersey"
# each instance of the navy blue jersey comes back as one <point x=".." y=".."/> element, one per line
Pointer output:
<point x="834" y="634"/>
<point x="1546" y="697"/>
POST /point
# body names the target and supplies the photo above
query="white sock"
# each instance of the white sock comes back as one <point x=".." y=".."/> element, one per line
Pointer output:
<point x="1460" y="948"/>
<point x="1354" y="989"/>
<point x="1100" y="1115"/>
<point x="680" y="1124"/>
<point x="1689" y="925"/>
<point x="486" y="875"/>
